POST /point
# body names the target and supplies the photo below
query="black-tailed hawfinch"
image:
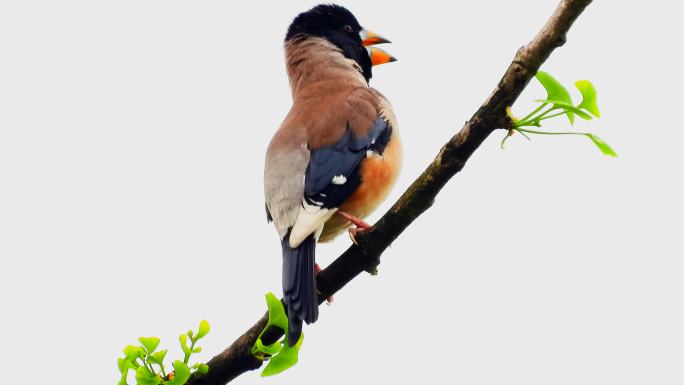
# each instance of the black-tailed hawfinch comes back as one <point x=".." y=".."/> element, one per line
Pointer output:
<point x="337" y="153"/>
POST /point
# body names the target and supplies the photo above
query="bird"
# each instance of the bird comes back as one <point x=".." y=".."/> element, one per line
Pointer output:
<point x="337" y="153"/>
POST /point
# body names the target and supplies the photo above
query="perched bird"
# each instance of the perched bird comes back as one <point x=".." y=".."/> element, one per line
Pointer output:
<point x="336" y="155"/>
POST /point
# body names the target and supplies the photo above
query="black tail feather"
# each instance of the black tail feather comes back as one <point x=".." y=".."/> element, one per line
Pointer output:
<point x="299" y="285"/>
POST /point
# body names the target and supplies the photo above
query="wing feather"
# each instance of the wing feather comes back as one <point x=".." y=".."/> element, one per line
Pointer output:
<point x="332" y="176"/>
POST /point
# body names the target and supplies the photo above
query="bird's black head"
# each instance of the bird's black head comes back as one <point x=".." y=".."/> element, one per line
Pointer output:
<point x="339" y="26"/>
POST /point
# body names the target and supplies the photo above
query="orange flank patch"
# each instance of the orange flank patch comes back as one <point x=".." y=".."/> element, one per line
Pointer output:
<point x="378" y="175"/>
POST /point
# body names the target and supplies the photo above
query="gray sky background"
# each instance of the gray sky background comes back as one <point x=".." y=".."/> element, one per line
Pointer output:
<point x="132" y="136"/>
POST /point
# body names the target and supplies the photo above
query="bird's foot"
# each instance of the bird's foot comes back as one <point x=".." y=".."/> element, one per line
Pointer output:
<point x="358" y="222"/>
<point x="353" y="231"/>
<point x="361" y="227"/>
<point x="317" y="269"/>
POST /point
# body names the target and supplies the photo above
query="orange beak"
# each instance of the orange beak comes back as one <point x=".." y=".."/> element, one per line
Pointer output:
<point x="377" y="55"/>
<point x="369" y="38"/>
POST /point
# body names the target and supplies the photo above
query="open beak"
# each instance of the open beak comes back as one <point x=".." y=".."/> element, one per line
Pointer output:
<point x="369" y="38"/>
<point x="377" y="55"/>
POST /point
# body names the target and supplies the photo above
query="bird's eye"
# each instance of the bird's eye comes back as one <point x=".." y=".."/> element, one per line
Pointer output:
<point x="348" y="28"/>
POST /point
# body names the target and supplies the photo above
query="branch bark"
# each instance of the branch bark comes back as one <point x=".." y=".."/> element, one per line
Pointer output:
<point x="365" y="256"/>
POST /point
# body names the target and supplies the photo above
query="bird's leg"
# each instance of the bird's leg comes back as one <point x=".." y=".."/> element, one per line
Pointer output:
<point x="358" y="222"/>
<point x="317" y="269"/>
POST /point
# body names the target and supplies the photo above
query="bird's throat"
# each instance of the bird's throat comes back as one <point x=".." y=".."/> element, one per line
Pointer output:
<point x="315" y="65"/>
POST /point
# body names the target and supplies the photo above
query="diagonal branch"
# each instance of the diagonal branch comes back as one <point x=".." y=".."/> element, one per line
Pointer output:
<point x="237" y="358"/>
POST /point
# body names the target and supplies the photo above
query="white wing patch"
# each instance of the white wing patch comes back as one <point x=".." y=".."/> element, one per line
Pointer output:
<point x="339" y="179"/>
<point x="317" y="203"/>
<point x="372" y="154"/>
<point x="310" y="219"/>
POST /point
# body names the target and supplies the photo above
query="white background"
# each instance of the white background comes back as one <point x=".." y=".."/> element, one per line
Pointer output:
<point x="132" y="136"/>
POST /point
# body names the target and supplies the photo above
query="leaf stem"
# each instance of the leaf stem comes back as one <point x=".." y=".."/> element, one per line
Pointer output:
<point x="187" y="355"/>
<point x="503" y="142"/>
<point x="523" y="134"/>
<point x="163" y="372"/>
<point x="553" y="115"/>
<point x="532" y="120"/>
<point x="533" y="112"/>
<point x="148" y="365"/>
<point x="551" y="133"/>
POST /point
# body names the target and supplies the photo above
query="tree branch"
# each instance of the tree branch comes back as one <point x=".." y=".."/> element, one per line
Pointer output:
<point x="237" y="358"/>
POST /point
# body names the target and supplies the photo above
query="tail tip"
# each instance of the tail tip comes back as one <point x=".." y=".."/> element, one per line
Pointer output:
<point x="294" y="331"/>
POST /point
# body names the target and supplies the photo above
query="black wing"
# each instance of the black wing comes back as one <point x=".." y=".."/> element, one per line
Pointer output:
<point x="333" y="173"/>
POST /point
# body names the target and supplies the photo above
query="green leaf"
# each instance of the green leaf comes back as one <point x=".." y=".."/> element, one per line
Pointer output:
<point x="567" y="107"/>
<point x="603" y="146"/>
<point x="150" y="343"/>
<point x="197" y="349"/>
<point x="276" y="312"/>
<point x="124" y="366"/>
<point x="184" y="343"/>
<point x="133" y="352"/>
<point x="271" y="349"/>
<point x="555" y="91"/>
<point x="277" y="318"/>
<point x="158" y="357"/>
<point x="202" y="368"/>
<point x="122" y="363"/>
<point x="203" y="329"/>
<point x="588" y="97"/>
<point x="284" y="360"/>
<point x="181" y="373"/>
<point x="145" y="377"/>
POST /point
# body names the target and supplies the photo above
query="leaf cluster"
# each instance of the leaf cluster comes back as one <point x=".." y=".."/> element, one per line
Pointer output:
<point x="558" y="102"/>
<point x="148" y="363"/>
